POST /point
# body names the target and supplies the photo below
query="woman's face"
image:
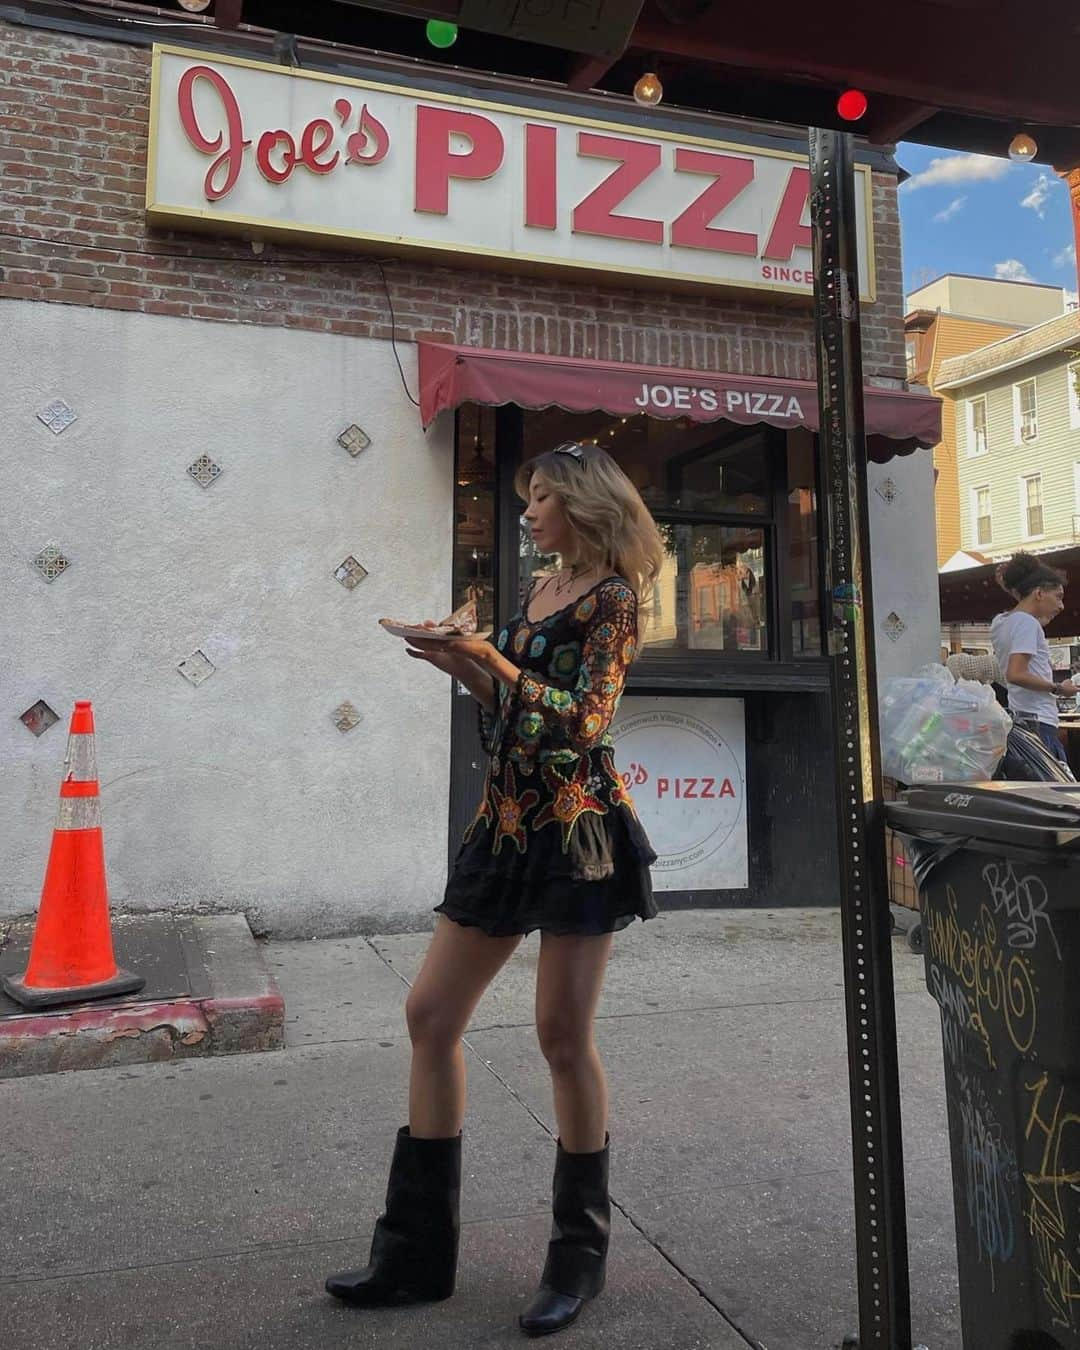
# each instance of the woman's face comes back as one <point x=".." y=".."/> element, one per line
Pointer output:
<point x="551" y="531"/>
<point x="1049" y="602"/>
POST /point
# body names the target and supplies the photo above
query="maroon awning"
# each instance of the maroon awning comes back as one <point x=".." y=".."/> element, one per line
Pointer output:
<point x="896" y="422"/>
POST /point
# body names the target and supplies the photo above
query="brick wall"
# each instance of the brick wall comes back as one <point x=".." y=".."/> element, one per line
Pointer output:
<point x="73" y="138"/>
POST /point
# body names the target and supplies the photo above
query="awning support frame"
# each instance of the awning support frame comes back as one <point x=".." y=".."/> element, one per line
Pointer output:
<point x="877" y="1147"/>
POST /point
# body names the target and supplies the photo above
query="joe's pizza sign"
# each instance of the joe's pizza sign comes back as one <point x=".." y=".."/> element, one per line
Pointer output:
<point x="266" y="151"/>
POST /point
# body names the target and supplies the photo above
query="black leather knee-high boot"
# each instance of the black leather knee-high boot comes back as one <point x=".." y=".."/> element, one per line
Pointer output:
<point x="415" y="1247"/>
<point x="577" y="1253"/>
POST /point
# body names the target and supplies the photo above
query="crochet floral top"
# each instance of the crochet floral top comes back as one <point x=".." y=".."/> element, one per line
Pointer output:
<point x="573" y="668"/>
<point x="555" y="815"/>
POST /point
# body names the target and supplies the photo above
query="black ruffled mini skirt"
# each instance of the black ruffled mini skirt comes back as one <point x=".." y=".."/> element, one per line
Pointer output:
<point x="563" y="863"/>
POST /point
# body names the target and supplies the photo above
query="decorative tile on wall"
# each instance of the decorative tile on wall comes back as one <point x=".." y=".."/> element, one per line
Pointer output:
<point x="354" y="439"/>
<point x="58" y="416"/>
<point x="39" y="717"/>
<point x="345" y="716"/>
<point x="350" y="573"/>
<point x="204" y="470"/>
<point x="887" y="491"/>
<point x="196" y="668"/>
<point x="50" y="563"/>
<point x="893" y="626"/>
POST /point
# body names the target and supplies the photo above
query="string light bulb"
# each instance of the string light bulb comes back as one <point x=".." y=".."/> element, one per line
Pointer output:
<point x="194" y="6"/>
<point x="648" y="91"/>
<point x="852" y="105"/>
<point x="1023" y="148"/>
<point x="440" y="33"/>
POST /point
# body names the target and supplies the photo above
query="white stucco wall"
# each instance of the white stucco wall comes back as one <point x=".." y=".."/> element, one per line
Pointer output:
<point x="241" y="793"/>
<point x="904" y="563"/>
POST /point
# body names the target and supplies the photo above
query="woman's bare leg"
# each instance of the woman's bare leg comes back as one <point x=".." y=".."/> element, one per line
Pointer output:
<point x="570" y="976"/>
<point x="460" y="964"/>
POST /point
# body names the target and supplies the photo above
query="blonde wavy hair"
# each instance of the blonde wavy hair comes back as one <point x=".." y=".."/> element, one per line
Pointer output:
<point x="613" y="525"/>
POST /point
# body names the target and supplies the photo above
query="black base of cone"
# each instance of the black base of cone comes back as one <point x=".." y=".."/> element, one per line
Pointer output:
<point x="32" y="997"/>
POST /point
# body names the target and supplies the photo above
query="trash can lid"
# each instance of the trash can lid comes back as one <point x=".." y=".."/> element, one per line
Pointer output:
<point x="1034" y="815"/>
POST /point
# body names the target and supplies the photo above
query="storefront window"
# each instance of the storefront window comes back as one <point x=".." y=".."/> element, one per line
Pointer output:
<point x="700" y="482"/>
<point x="711" y="593"/>
<point x="474" y="512"/>
<point x="802" y="535"/>
<point x="737" y="508"/>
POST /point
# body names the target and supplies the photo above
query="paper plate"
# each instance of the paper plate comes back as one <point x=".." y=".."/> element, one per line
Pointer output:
<point x="409" y="631"/>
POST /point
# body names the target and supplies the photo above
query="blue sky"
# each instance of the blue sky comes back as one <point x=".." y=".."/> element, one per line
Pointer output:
<point x="984" y="216"/>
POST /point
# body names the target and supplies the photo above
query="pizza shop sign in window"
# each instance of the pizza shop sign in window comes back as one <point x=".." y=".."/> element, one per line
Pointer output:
<point x="253" y="148"/>
<point x="683" y="763"/>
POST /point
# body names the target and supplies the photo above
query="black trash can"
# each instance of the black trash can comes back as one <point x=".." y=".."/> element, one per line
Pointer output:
<point x="998" y="870"/>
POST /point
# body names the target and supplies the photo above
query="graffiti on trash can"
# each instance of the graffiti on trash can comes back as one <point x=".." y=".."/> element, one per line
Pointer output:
<point x="1052" y="1196"/>
<point x="1000" y="991"/>
<point x="957" y="1019"/>
<point x="990" y="1175"/>
<point x="1021" y="902"/>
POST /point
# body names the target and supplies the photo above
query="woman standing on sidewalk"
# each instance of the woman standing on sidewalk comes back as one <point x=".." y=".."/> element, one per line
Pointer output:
<point x="1021" y="649"/>
<point x="556" y="846"/>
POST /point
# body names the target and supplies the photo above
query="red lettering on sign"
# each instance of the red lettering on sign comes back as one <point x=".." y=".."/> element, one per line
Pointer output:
<point x="310" y="151"/>
<point x="687" y="789"/>
<point x="541" y="208"/>
<point x="593" y="214"/>
<point x="788" y="231"/>
<point x="694" y="229"/>
<point x="230" y="142"/>
<point x="436" y="163"/>
<point x="268" y="143"/>
<point x="369" y="142"/>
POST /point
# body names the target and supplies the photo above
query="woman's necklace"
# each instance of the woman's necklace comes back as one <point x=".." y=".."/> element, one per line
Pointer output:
<point x="566" y="582"/>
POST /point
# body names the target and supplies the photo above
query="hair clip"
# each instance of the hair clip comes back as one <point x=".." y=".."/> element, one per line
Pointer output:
<point x="570" y="448"/>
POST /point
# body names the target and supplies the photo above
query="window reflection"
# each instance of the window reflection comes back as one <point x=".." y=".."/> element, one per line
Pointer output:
<point x="714" y="490"/>
<point x="803" y="546"/>
<point x="676" y="465"/>
<point x="712" y="589"/>
<point x="474" y="513"/>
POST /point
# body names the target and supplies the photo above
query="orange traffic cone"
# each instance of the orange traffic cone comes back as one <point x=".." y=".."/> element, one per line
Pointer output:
<point x="71" y="956"/>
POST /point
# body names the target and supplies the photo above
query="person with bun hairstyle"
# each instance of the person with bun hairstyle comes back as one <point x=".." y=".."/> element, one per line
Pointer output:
<point x="555" y="845"/>
<point x="1021" y="649"/>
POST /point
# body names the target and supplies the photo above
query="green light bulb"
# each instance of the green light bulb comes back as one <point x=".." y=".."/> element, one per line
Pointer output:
<point x="440" y="33"/>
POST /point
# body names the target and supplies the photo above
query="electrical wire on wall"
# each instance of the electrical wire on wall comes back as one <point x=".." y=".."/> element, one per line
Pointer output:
<point x="256" y="260"/>
<point x="393" y="331"/>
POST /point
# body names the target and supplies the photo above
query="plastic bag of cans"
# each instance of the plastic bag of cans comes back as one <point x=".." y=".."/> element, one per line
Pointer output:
<point x="935" y="729"/>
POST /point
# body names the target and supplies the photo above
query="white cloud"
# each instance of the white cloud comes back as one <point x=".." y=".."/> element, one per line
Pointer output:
<point x="1012" y="269"/>
<point x="1067" y="256"/>
<point x="953" y="208"/>
<point x="1039" y="195"/>
<point x="958" y="169"/>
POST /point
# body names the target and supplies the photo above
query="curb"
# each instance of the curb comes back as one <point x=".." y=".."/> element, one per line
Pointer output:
<point x="208" y="993"/>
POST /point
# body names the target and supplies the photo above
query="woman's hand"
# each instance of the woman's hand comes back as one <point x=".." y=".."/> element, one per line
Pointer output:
<point x="474" y="649"/>
<point x="438" y="654"/>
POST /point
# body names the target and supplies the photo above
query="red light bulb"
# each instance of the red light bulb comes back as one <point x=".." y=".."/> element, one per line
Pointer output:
<point x="851" y="105"/>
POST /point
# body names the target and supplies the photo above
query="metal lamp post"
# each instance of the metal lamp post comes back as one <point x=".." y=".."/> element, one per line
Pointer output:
<point x="880" y="1212"/>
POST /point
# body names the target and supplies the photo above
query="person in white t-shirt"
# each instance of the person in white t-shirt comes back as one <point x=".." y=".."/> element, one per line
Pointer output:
<point x="1021" y="649"/>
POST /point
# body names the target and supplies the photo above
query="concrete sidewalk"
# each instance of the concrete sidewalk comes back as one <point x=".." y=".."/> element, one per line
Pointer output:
<point x="201" y="1204"/>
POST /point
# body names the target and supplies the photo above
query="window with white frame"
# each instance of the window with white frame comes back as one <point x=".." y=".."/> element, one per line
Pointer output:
<point x="1076" y="502"/>
<point x="1031" y="506"/>
<point x="981" y="523"/>
<point x="978" y="434"/>
<point x="1072" y="378"/>
<point x="1025" y="411"/>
